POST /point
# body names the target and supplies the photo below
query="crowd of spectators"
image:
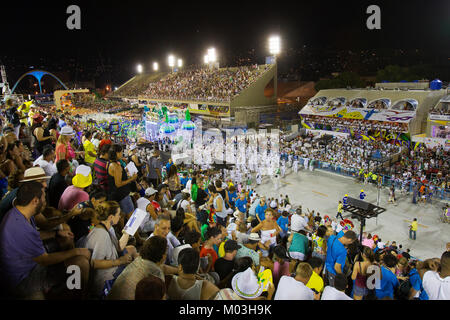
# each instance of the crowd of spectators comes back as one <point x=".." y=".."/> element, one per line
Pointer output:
<point x="203" y="237"/>
<point x="352" y="154"/>
<point x="215" y="85"/>
<point x="353" y="125"/>
<point x="442" y="108"/>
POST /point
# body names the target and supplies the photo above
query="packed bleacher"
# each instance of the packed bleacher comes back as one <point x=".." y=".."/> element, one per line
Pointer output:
<point x="215" y="85"/>
<point x="69" y="203"/>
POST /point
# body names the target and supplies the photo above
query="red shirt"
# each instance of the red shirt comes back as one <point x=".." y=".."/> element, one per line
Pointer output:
<point x="204" y="252"/>
<point x="103" y="142"/>
<point x="156" y="206"/>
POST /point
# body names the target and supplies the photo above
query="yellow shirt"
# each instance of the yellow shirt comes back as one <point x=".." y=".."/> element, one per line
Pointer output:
<point x="88" y="146"/>
<point x="24" y="110"/>
<point x="31" y="113"/>
<point x="315" y="282"/>
<point x="340" y="207"/>
<point x="414" y="226"/>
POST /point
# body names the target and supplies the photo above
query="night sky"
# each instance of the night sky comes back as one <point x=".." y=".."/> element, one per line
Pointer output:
<point x="137" y="30"/>
<point x="129" y="32"/>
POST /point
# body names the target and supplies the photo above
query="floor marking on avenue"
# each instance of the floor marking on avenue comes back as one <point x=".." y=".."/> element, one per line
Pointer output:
<point x="421" y="225"/>
<point x="322" y="194"/>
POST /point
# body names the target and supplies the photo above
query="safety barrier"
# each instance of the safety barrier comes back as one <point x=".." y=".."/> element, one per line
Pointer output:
<point x="387" y="181"/>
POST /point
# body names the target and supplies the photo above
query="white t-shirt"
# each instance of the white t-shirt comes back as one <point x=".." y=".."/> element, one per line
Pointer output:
<point x="148" y="224"/>
<point x="298" y="223"/>
<point x="291" y="289"/>
<point x="183" y="204"/>
<point x="189" y="185"/>
<point x="436" y="287"/>
<point x="330" y="293"/>
<point x="48" y="167"/>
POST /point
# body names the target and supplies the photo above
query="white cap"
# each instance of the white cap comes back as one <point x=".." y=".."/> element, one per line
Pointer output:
<point x="150" y="191"/>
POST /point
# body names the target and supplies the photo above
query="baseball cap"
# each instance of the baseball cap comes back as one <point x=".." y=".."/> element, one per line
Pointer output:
<point x="150" y="191"/>
<point x="231" y="245"/>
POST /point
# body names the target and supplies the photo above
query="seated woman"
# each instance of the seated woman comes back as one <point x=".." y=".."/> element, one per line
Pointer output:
<point x="13" y="154"/>
<point x="108" y="253"/>
<point x="269" y="230"/>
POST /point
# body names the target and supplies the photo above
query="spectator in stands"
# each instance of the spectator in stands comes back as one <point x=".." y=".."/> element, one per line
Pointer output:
<point x="46" y="161"/>
<point x="58" y="183"/>
<point x="89" y="149"/>
<point x="118" y="181"/>
<point x="224" y="266"/>
<point x="76" y="193"/>
<point x="338" y="291"/>
<point x="108" y="253"/>
<point x="290" y="288"/>
<point x="26" y="268"/>
<point x="337" y="254"/>
<point x="150" y="263"/>
<point x="150" y="288"/>
<point x="185" y="286"/>
<point x="389" y="281"/>
<point x="436" y="283"/>
<point x="100" y="166"/>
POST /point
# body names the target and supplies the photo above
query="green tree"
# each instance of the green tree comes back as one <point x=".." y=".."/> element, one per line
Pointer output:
<point x="343" y="80"/>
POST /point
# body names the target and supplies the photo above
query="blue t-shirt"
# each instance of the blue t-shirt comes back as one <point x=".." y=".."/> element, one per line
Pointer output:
<point x="20" y="242"/>
<point x="362" y="195"/>
<point x="283" y="222"/>
<point x="388" y="284"/>
<point x="183" y="181"/>
<point x="336" y="253"/>
<point x="232" y="197"/>
<point x="241" y="205"/>
<point x="261" y="211"/>
<point x="416" y="283"/>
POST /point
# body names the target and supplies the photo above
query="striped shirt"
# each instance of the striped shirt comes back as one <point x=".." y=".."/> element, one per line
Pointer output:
<point x="101" y="175"/>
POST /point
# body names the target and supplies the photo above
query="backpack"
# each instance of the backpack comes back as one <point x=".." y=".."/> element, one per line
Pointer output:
<point x="402" y="292"/>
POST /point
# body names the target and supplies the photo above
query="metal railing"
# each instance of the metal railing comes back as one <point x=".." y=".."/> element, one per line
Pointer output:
<point x="387" y="181"/>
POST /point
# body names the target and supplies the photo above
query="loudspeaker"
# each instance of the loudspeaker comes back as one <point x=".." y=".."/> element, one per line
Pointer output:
<point x="366" y="206"/>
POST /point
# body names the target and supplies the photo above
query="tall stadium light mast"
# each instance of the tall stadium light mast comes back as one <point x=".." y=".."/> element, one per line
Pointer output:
<point x="155" y="66"/>
<point x="274" y="46"/>
<point x="140" y="68"/>
<point x="171" y="61"/>
<point x="211" y="57"/>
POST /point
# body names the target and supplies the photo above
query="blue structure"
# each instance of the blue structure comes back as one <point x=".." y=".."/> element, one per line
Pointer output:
<point x="38" y="74"/>
<point x="436" y="84"/>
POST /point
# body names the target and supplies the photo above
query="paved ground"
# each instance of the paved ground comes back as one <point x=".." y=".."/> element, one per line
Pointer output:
<point x="320" y="190"/>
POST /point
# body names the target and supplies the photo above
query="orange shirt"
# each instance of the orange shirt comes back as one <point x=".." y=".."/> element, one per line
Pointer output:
<point x="204" y="252"/>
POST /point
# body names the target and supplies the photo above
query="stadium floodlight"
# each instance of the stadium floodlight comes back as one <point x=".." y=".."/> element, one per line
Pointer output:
<point x="155" y="66"/>
<point x="206" y="59"/>
<point x="274" y="45"/>
<point x="180" y="63"/>
<point x="171" y="61"/>
<point x="140" y="68"/>
<point x="212" y="55"/>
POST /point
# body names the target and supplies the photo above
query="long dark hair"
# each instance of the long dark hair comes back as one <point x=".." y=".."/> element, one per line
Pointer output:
<point x="172" y="170"/>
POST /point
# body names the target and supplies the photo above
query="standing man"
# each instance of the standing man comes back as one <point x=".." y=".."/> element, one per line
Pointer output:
<point x="337" y="254"/>
<point x="345" y="201"/>
<point x="413" y="229"/>
<point x="362" y="195"/>
<point x="154" y="169"/>
<point x="89" y="150"/>
<point x="340" y="209"/>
